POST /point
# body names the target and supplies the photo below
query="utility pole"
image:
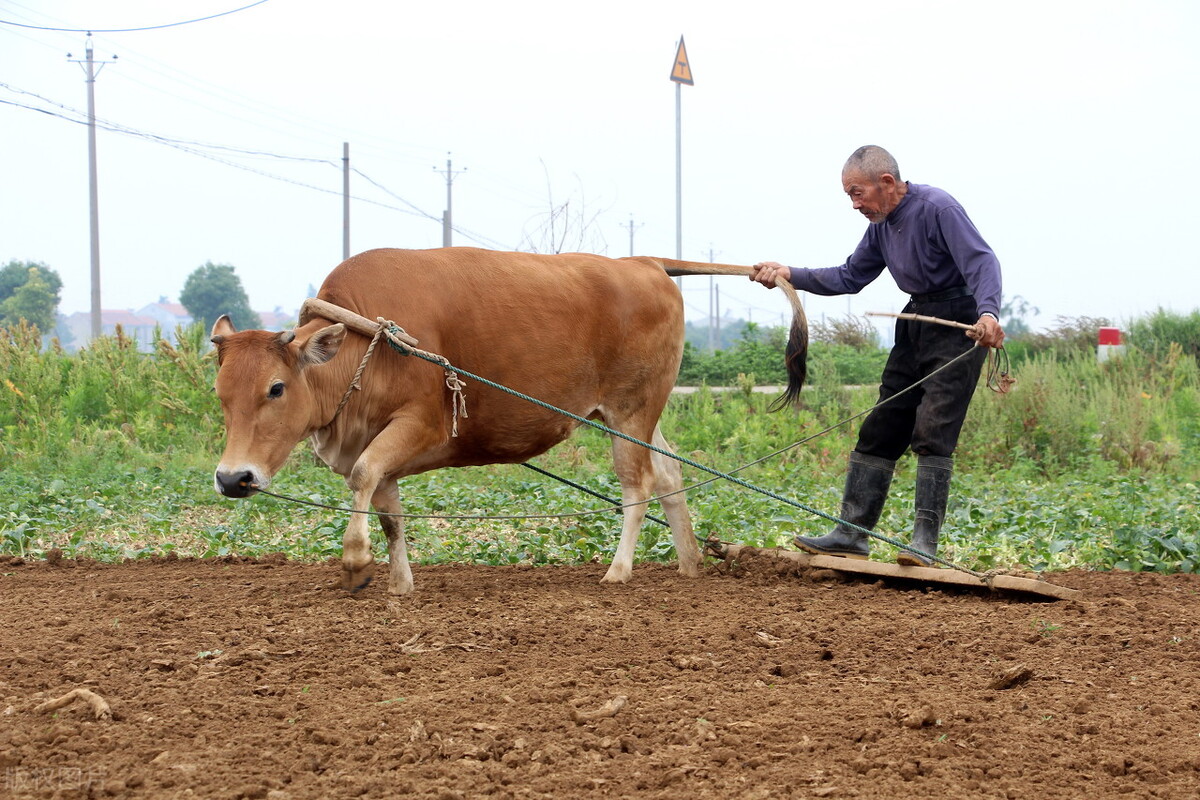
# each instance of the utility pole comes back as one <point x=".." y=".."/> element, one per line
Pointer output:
<point x="681" y="73"/>
<point x="718" y="313"/>
<point x="446" y="224"/>
<point x="91" y="70"/>
<point x="345" y="200"/>
<point x="632" y="228"/>
<point x="712" y="319"/>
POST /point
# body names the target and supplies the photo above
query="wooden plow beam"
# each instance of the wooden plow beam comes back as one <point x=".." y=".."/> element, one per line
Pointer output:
<point x="878" y="569"/>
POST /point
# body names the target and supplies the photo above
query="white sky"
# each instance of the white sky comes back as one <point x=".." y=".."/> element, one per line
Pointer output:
<point x="1067" y="129"/>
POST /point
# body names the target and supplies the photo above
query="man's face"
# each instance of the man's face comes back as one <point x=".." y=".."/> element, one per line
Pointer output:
<point x="874" y="200"/>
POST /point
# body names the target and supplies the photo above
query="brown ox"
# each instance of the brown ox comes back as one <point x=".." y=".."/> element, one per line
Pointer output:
<point x="598" y="337"/>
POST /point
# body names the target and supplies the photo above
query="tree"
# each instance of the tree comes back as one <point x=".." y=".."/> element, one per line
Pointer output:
<point x="1013" y="313"/>
<point x="213" y="290"/>
<point x="29" y="291"/>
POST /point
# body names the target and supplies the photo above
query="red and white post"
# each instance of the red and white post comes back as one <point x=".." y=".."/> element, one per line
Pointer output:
<point x="1110" y="344"/>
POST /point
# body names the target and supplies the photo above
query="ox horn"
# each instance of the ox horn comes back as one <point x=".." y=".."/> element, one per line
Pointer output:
<point x="286" y="337"/>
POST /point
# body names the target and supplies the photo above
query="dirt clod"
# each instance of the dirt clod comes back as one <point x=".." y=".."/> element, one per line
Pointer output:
<point x="1013" y="676"/>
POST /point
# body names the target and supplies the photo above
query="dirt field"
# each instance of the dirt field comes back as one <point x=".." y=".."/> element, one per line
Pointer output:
<point x="263" y="679"/>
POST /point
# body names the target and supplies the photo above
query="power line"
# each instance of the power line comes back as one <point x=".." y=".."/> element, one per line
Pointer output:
<point x="217" y="99"/>
<point x="192" y="149"/>
<point x="119" y="128"/>
<point x="478" y="238"/>
<point x="380" y="148"/>
<point x="196" y="152"/>
<point x="197" y="149"/>
<point x="129" y="30"/>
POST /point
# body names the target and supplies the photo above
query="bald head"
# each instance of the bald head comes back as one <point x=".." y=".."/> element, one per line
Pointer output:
<point x="872" y="162"/>
<point x="872" y="181"/>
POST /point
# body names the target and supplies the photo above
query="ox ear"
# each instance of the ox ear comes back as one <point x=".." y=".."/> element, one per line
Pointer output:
<point x="221" y="328"/>
<point x="322" y="345"/>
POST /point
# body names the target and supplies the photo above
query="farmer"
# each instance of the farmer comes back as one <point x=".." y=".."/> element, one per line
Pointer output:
<point x="935" y="254"/>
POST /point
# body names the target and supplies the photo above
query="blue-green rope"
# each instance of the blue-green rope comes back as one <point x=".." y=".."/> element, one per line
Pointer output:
<point x="445" y="364"/>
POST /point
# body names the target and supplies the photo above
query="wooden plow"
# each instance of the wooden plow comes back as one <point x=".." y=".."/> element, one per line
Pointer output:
<point x="879" y="570"/>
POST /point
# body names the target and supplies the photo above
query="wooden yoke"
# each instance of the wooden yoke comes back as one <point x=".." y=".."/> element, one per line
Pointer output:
<point x="314" y="307"/>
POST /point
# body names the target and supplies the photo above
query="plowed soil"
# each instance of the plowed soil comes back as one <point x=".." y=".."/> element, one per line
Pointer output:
<point x="263" y="679"/>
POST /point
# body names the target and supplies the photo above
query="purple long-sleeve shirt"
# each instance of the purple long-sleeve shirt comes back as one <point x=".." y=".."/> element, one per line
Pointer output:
<point x="928" y="243"/>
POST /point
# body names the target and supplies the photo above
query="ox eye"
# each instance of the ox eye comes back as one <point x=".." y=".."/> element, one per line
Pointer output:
<point x="276" y="390"/>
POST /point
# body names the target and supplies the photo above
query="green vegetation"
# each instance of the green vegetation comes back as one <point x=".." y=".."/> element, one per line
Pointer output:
<point x="29" y="292"/>
<point x="108" y="454"/>
<point x="847" y="351"/>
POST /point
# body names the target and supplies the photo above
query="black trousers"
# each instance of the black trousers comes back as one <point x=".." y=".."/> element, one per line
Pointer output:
<point x="929" y="418"/>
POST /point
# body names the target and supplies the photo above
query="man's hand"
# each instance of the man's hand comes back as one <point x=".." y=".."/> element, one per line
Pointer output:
<point x="766" y="273"/>
<point x="987" y="332"/>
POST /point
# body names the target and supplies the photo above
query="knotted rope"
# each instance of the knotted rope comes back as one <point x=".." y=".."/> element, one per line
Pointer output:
<point x="404" y="345"/>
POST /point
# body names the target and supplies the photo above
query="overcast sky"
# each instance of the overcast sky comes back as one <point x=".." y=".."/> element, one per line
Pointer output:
<point x="1068" y="130"/>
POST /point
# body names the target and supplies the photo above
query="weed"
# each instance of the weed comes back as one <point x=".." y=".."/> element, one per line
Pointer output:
<point x="1044" y="629"/>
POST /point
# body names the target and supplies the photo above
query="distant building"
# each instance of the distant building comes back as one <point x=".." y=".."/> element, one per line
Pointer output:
<point x="134" y="326"/>
<point x="75" y="330"/>
<point x="278" y="319"/>
<point x="167" y="313"/>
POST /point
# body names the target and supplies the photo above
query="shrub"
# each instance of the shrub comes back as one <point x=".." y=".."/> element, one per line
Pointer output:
<point x="1157" y="332"/>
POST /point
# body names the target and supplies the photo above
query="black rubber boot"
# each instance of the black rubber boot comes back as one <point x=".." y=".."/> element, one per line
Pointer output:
<point x="867" y="482"/>
<point x="933" y="491"/>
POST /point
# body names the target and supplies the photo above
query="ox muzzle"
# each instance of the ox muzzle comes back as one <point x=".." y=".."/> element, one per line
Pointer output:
<point x="238" y="482"/>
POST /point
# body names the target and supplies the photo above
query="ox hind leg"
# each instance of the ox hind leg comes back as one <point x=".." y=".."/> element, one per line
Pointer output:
<point x="668" y="481"/>
<point x="387" y="500"/>
<point x="640" y="473"/>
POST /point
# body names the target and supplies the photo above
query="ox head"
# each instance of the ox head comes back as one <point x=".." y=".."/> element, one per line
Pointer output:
<point x="268" y="403"/>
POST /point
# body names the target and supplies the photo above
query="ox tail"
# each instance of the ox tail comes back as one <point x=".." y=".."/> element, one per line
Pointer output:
<point x="796" y="351"/>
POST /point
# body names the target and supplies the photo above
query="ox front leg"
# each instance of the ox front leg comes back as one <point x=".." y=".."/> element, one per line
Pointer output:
<point x="632" y="464"/>
<point x="357" y="560"/>
<point x="383" y="456"/>
<point x="387" y="500"/>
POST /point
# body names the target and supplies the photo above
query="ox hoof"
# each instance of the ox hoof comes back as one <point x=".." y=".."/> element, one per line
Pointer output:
<point x="689" y="569"/>
<point x="399" y="589"/>
<point x="617" y="574"/>
<point x="355" y="580"/>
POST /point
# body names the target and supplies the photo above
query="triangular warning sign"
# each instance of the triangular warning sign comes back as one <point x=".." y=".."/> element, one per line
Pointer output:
<point x="682" y="71"/>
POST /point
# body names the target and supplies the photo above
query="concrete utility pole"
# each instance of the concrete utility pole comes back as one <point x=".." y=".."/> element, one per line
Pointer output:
<point x="712" y="319"/>
<point x="345" y="200"/>
<point x="678" y="174"/>
<point x="718" y="293"/>
<point x="681" y="73"/>
<point x="446" y="224"/>
<point x="91" y="70"/>
<point x="632" y="228"/>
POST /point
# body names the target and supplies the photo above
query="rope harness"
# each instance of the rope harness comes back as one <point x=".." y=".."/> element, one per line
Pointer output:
<point x="404" y="344"/>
